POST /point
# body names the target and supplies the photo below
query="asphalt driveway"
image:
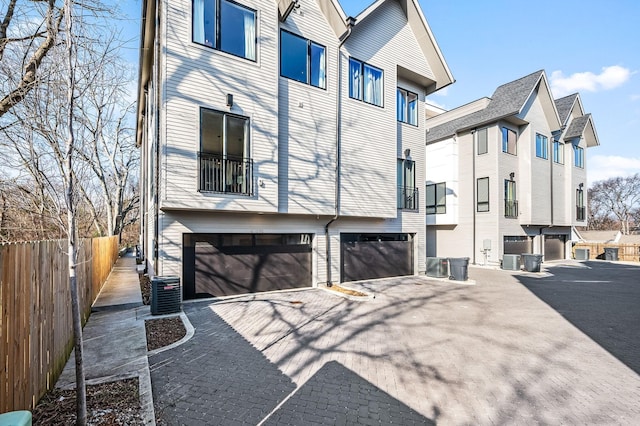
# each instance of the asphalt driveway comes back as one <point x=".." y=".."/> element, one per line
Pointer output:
<point x="559" y="347"/>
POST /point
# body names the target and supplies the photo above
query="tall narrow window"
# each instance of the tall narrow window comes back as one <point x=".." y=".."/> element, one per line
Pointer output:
<point x="226" y="26"/>
<point x="436" y="195"/>
<point x="542" y="146"/>
<point x="482" y="194"/>
<point x="224" y="147"/>
<point x="509" y="140"/>
<point x="578" y="156"/>
<point x="510" y="200"/>
<point x="365" y="82"/>
<point x="407" y="191"/>
<point x="407" y="107"/>
<point x="558" y="152"/>
<point x="580" y="209"/>
<point x="483" y="143"/>
<point x="302" y="60"/>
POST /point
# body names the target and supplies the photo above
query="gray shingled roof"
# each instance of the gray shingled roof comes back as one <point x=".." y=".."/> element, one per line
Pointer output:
<point x="563" y="105"/>
<point x="507" y="100"/>
<point x="576" y="128"/>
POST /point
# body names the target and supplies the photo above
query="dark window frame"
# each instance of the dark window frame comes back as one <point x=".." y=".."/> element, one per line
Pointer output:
<point x="505" y="143"/>
<point x="483" y="203"/>
<point x="558" y="152"/>
<point x="435" y="207"/>
<point x="484" y="131"/>
<point x="510" y="202"/>
<point x="407" y="192"/>
<point x="580" y="206"/>
<point x="578" y="156"/>
<point x="361" y="83"/>
<point x="218" y="33"/>
<point x="224" y="160"/>
<point x="545" y="147"/>
<point x="406" y="112"/>
<point x="310" y="43"/>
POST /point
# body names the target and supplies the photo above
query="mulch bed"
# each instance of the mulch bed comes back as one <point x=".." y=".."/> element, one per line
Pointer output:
<point x="163" y="332"/>
<point x="113" y="403"/>
<point x="145" y="288"/>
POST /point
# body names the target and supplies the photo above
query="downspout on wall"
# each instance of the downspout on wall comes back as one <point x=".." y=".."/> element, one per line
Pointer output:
<point x="473" y="189"/>
<point x="350" y="23"/>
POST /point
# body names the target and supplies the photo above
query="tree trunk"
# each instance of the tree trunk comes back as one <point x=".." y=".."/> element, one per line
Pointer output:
<point x="81" y="395"/>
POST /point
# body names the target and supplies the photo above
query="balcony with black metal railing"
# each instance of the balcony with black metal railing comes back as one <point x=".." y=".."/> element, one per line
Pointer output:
<point x="407" y="198"/>
<point x="225" y="174"/>
<point x="511" y="209"/>
<point x="580" y="213"/>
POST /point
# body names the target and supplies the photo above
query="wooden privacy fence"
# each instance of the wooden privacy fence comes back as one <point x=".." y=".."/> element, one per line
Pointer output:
<point x="627" y="252"/>
<point x="35" y="315"/>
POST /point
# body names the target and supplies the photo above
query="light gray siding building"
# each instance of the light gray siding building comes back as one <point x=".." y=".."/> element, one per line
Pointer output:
<point x="507" y="174"/>
<point x="283" y="143"/>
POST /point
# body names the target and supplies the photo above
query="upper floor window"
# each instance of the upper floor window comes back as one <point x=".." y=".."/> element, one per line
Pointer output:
<point x="509" y="139"/>
<point x="542" y="146"/>
<point x="407" y="191"/>
<point x="302" y="60"/>
<point x="483" y="142"/>
<point x="225" y="25"/>
<point x="224" y="148"/>
<point x="407" y="104"/>
<point x="578" y="156"/>
<point x="482" y="194"/>
<point x="558" y="152"/>
<point x="366" y="82"/>
<point x="436" y="195"/>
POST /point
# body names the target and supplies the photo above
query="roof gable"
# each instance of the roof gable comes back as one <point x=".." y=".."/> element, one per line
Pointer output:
<point x="508" y="100"/>
<point x="423" y="35"/>
<point x="583" y="127"/>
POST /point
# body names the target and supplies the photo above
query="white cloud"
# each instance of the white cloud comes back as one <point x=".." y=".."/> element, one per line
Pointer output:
<point x="610" y="78"/>
<point x="635" y="98"/>
<point x="602" y="167"/>
<point x="435" y="104"/>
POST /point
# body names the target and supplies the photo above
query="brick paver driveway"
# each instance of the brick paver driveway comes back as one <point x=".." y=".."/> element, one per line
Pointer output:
<point x="513" y="349"/>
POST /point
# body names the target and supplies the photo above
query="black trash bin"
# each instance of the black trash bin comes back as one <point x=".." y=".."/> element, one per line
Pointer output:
<point x="459" y="268"/>
<point x="611" y="253"/>
<point x="166" y="295"/>
<point x="532" y="262"/>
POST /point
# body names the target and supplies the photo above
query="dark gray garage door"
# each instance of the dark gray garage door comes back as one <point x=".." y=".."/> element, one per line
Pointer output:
<point x="554" y="247"/>
<point x="517" y="244"/>
<point x="230" y="264"/>
<point x="369" y="256"/>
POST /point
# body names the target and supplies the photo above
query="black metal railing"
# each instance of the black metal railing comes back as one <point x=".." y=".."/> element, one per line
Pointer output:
<point x="407" y="198"/>
<point x="219" y="173"/>
<point x="580" y="213"/>
<point x="510" y="208"/>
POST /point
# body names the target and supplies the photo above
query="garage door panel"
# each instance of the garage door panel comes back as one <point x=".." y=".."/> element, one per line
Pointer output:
<point x="232" y="270"/>
<point x="554" y="247"/>
<point x="362" y="260"/>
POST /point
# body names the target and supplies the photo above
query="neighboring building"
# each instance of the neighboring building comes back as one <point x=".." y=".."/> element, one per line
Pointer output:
<point x="507" y="174"/>
<point x="283" y="144"/>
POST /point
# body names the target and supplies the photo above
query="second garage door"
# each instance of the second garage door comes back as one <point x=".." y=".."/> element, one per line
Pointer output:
<point x="370" y="256"/>
<point x="231" y="264"/>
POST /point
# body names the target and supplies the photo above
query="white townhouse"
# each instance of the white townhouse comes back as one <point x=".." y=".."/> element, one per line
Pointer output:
<point x="507" y="174"/>
<point x="283" y="143"/>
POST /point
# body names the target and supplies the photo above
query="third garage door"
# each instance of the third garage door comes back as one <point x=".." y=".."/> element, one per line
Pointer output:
<point x="370" y="256"/>
<point x="554" y="247"/>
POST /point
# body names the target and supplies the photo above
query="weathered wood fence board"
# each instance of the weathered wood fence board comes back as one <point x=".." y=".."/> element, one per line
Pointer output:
<point x="626" y="252"/>
<point x="35" y="312"/>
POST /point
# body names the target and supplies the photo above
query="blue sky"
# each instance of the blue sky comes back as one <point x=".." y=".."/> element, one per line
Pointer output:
<point x="588" y="46"/>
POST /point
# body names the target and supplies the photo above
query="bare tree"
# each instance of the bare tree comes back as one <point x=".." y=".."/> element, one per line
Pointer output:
<point x="35" y="43"/>
<point x="617" y="198"/>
